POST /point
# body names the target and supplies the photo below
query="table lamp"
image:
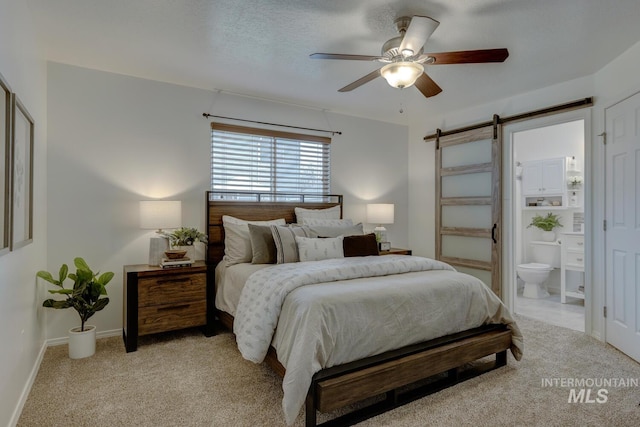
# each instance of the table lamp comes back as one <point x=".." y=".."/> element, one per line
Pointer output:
<point x="156" y="215"/>
<point x="381" y="213"/>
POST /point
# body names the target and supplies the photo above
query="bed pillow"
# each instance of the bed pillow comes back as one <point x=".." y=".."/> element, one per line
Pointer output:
<point x="237" y="242"/>
<point x="284" y="238"/>
<point x="263" y="248"/>
<point x="364" y="245"/>
<point x="320" y="231"/>
<point x="314" y="249"/>
<point x="327" y="222"/>
<point x="329" y="213"/>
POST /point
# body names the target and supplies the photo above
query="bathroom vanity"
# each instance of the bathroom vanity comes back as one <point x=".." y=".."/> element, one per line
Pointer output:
<point x="572" y="266"/>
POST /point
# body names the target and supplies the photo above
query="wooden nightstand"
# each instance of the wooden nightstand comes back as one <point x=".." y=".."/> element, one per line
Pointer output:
<point x="396" y="251"/>
<point x="164" y="299"/>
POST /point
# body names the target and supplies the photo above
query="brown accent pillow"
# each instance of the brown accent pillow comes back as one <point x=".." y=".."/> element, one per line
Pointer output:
<point x="364" y="245"/>
<point x="263" y="248"/>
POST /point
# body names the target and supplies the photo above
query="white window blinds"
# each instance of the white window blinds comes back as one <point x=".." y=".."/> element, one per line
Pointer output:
<point x="258" y="160"/>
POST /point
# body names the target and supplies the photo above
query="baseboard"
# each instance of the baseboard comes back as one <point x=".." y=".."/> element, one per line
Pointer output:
<point x="27" y="387"/>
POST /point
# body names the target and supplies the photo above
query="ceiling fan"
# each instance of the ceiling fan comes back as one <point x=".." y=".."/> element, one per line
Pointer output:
<point x="404" y="57"/>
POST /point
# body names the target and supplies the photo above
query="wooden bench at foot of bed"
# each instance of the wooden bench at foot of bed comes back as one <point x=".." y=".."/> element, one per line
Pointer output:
<point x="388" y="373"/>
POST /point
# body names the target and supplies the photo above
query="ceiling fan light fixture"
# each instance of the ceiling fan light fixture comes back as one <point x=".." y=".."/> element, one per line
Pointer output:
<point x="402" y="74"/>
<point x="407" y="52"/>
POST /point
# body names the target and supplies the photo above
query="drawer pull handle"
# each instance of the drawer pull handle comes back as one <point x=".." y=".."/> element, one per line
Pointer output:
<point x="174" y="307"/>
<point x="580" y="243"/>
<point x="186" y="279"/>
<point x="579" y="259"/>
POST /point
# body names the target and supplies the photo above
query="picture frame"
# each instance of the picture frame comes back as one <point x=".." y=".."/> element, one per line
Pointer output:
<point x="5" y="165"/>
<point x="22" y="132"/>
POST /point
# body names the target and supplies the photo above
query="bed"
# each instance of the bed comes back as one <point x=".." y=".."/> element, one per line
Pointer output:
<point x="312" y="322"/>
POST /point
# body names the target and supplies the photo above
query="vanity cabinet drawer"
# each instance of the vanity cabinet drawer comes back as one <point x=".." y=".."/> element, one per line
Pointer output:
<point x="575" y="259"/>
<point x="573" y="243"/>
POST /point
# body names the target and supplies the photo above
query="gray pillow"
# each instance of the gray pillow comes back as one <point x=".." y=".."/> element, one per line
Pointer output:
<point x="263" y="247"/>
<point x="285" y="241"/>
<point x="320" y="231"/>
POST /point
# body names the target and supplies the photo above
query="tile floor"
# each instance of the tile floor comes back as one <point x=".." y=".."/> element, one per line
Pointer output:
<point x="551" y="310"/>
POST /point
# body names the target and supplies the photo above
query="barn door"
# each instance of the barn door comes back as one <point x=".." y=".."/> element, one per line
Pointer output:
<point x="468" y="202"/>
<point x="622" y="235"/>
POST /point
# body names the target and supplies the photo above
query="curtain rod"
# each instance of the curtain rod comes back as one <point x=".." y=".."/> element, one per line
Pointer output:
<point x="581" y="103"/>
<point x="332" y="132"/>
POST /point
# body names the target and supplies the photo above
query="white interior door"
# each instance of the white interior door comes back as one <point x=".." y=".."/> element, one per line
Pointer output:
<point x="622" y="236"/>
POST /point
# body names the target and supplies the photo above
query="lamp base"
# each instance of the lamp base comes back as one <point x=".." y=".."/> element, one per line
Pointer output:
<point x="157" y="246"/>
<point x="381" y="233"/>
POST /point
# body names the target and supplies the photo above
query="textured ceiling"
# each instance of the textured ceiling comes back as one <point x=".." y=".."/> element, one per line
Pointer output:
<point x="261" y="48"/>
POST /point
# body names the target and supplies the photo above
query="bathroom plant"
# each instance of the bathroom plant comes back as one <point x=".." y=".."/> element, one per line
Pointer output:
<point x="546" y="224"/>
<point x="87" y="296"/>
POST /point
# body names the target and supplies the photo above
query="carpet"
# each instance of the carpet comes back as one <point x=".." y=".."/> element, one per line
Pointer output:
<point x="185" y="379"/>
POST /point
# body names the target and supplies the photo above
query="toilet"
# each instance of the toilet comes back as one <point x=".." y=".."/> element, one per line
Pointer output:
<point x="545" y="257"/>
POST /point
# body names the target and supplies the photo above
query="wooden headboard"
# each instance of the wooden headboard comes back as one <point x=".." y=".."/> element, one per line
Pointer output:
<point x="255" y="207"/>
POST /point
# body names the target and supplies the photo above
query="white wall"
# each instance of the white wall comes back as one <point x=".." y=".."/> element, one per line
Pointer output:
<point x="115" y="140"/>
<point x="21" y="317"/>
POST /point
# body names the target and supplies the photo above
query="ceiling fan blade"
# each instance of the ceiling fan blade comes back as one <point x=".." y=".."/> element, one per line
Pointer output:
<point x="366" y="79"/>
<point x="343" y="56"/>
<point x="420" y="29"/>
<point x="427" y="86"/>
<point x="470" y="56"/>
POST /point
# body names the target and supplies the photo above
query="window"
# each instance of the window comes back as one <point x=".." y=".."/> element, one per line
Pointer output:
<point x="250" y="160"/>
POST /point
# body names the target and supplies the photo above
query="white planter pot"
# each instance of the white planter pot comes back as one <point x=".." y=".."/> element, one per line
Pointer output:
<point x="548" y="236"/>
<point x="82" y="343"/>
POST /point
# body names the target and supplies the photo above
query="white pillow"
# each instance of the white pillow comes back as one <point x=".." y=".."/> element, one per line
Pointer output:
<point x="312" y="222"/>
<point x="311" y="249"/>
<point x="329" y="213"/>
<point x="237" y="242"/>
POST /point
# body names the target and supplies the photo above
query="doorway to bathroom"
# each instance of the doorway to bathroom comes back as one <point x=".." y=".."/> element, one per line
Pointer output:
<point x="544" y="206"/>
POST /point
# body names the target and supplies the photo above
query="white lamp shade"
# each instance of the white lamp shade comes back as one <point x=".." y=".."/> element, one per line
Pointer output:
<point x="402" y="74"/>
<point x="159" y="214"/>
<point x="380" y="213"/>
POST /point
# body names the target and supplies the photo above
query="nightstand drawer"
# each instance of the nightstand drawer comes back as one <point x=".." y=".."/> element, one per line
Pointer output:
<point x="169" y="317"/>
<point x="171" y="289"/>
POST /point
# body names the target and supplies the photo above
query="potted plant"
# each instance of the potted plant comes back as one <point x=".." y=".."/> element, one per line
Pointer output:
<point x="184" y="238"/>
<point x="87" y="296"/>
<point x="546" y="224"/>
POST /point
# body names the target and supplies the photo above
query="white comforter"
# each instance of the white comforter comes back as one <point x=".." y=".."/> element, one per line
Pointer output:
<point x="357" y="307"/>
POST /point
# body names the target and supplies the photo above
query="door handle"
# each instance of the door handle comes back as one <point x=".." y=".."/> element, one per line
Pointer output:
<point x="493" y="233"/>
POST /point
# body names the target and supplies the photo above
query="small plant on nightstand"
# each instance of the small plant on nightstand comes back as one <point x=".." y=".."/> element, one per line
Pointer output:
<point x="184" y="237"/>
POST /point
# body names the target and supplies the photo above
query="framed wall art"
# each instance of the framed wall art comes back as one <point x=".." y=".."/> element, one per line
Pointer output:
<point x="5" y="164"/>
<point x="21" y="176"/>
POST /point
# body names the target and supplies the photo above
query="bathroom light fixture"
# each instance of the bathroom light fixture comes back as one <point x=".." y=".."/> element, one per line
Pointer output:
<point x="381" y="213"/>
<point x="402" y="74"/>
<point x="156" y="215"/>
